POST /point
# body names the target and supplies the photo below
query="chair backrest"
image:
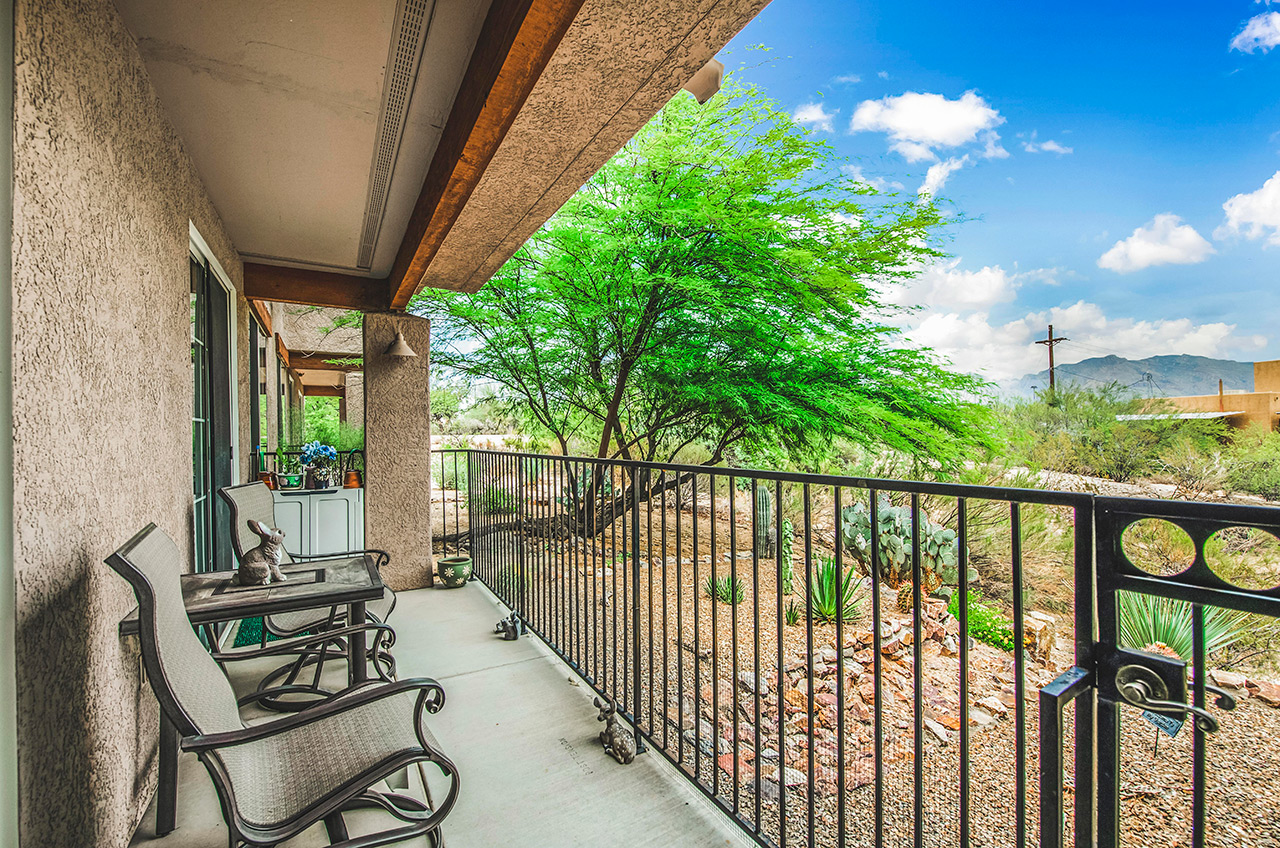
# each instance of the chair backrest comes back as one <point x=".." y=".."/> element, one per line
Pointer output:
<point x="250" y="501"/>
<point x="191" y="688"/>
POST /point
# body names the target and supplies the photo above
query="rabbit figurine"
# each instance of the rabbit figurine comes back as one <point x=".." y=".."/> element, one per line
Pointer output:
<point x="261" y="565"/>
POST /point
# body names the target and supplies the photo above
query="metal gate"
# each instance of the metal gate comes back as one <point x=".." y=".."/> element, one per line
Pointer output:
<point x="1114" y="683"/>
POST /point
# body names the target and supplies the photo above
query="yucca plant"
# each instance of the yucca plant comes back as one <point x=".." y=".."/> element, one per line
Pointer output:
<point x="833" y="592"/>
<point x="1147" y="622"/>
<point x="726" y="590"/>
<point x="792" y="613"/>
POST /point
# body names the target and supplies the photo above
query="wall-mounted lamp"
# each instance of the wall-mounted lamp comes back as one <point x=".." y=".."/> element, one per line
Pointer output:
<point x="706" y="82"/>
<point x="400" y="347"/>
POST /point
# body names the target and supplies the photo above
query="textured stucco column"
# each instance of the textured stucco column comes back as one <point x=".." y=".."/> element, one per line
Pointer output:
<point x="397" y="448"/>
<point x="355" y="397"/>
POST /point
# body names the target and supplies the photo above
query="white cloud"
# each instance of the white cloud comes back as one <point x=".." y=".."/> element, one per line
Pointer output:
<point x="918" y="122"/>
<point x="954" y="317"/>
<point x="878" y="183"/>
<point x="1261" y="32"/>
<point x="913" y="151"/>
<point x="992" y="148"/>
<point x="847" y="79"/>
<point x="1007" y="351"/>
<point x="882" y="74"/>
<point x="816" y="116"/>
<point x="1164" y="240"/>
<point x="945" y="286"/>
<point x="1255" y="214"/>
<point x="936" y="177"/>
<point x="1046" y="146"/>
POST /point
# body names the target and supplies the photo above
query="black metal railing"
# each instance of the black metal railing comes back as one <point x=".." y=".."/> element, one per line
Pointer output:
<point x="847" y="732"/>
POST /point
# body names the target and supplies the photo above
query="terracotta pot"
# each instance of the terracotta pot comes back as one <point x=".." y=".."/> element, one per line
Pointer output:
<point x="352" y="480"/>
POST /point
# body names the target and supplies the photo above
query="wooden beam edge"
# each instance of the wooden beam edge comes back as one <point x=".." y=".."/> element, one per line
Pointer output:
<point x="516" y="42"/>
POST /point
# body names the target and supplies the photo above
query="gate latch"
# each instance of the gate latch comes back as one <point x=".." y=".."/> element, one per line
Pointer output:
<point x="1159" y="684"/>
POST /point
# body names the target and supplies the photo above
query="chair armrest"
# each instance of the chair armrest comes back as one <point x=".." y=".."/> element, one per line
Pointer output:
<point x="430" y="699"/>
<point x="380" y="558"/>
<point x="284" y="646"/>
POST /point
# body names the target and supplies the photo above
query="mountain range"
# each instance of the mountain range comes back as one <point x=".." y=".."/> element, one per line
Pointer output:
<point x="1157" y="376"/>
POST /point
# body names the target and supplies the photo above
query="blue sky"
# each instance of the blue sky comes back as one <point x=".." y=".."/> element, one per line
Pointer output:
<point x="1091" y="146"/>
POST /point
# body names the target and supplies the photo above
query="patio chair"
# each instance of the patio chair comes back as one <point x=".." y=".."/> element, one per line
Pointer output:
<point x="275" y="780"/>
<point x="253" y="501"/>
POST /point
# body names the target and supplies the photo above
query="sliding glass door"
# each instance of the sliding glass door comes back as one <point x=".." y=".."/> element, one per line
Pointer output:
<point x="211" y="437"/>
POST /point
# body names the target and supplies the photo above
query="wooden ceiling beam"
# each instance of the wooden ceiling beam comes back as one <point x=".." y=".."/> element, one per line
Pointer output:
<point x="314" y="288"/>
<point x="323" y="391"/>
<point x="263" y="314"/>
<point x="322" y="362"/>
<point x="516" y="41"/>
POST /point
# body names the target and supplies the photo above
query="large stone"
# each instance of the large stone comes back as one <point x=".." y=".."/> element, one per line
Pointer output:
<point x="1265" y="691"/>
<point x="1227" y="679"/>
<point x="755" y="685"/>
<point x="1040" y="636"/>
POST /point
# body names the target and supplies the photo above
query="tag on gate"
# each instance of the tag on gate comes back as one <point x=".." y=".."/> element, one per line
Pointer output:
<point x="1167" y="723"/>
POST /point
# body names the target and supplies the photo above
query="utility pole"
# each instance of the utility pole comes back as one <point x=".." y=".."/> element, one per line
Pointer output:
<point x="1050" y="342"/>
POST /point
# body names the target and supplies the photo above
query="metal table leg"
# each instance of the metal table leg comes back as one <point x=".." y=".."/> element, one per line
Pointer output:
<point x="167" y="791"/>
<point x="357" y="650"/>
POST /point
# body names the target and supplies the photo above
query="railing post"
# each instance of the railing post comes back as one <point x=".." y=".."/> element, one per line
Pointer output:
<point x="636" y="676"/>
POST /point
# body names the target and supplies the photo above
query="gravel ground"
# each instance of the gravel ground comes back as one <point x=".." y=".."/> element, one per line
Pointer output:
<point x="582" y="587"/>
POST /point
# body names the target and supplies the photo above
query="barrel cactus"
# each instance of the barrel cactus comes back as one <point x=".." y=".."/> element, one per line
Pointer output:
<point x="939" y="549"/>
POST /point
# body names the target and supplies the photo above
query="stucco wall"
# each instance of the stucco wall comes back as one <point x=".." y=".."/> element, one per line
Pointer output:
<point x="1260" y="408"/>
<point x="397" y="448"/>
<point x="1266" y="376"/>
<point x="103" y="193"/>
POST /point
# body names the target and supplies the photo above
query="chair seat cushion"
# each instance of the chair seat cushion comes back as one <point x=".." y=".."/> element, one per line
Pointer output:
<point x="277" y="778"/>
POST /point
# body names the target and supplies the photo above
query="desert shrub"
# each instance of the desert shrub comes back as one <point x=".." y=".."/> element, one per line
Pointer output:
<point x="727" y="590"/>
<point x="833" y="593"/>
<point x="985" y="624"/>
<point x="496" y="500"/>
<point x="1148" y="621"/>
<point x="1255" y="463"/>
<point x="792" y="613"/>
<point x="1076" y="430"/>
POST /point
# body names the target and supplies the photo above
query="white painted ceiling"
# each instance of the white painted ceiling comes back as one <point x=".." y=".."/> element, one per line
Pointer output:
<point x="280" y="104"/>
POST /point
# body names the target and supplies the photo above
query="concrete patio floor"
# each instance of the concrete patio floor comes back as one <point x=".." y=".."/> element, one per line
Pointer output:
<point x="522" y="731"/>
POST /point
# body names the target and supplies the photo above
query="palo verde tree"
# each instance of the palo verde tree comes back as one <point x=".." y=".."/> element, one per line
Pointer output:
<point x="717" y="282"/>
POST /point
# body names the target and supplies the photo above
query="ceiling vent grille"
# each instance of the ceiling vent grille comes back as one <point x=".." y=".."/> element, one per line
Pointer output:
<point x="408" y="35"/>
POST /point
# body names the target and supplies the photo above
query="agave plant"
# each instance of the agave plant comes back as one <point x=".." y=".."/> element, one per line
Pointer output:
<point x="1148" y="622"/>
<point x="833" y="592"/>
<point x="726" y="590"/>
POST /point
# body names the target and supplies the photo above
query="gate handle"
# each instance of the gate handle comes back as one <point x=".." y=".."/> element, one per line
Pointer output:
<point x="1142" y="687"/>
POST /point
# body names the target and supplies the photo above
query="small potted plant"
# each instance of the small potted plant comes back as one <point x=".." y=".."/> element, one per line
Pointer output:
<point x="319" y="459"/>
<point x="288" y="471"/>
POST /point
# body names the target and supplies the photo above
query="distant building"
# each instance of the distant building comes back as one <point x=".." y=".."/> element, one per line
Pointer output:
<point x="1241" y="409"/>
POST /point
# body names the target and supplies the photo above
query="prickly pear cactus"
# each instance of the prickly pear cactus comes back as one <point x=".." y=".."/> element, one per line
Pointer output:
<point x="939" y="547"/>
<point x="784" y="553"/>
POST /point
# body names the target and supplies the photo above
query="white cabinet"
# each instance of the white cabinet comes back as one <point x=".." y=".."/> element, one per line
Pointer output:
<point x="324" y="521"/>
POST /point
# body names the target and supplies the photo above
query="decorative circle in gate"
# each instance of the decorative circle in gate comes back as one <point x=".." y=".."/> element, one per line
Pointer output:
<point x="1158" y="547"/>
<point x="1245" y="557"/>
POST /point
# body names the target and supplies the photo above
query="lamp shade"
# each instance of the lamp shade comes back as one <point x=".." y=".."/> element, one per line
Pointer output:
<point x="400" y="347"/>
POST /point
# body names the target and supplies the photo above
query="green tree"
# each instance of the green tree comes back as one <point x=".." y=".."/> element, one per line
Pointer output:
<point x="717" y="282"/>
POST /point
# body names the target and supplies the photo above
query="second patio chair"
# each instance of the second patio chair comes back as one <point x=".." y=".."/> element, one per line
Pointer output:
<point x="253" y="501"/>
